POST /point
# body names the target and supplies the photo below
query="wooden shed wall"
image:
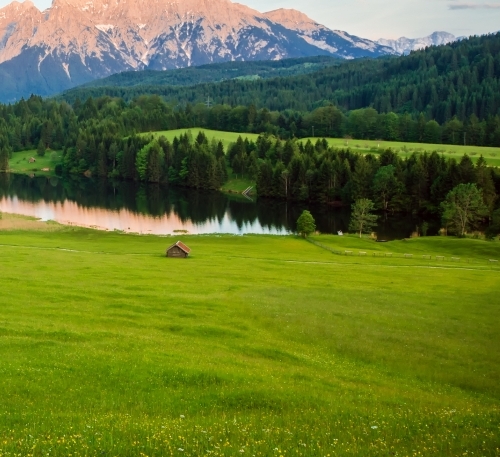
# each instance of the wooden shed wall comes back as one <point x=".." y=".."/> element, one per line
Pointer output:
<point x="175" y="251"/>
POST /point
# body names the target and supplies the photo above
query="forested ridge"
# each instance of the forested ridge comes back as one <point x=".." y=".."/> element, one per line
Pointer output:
<point x="216" y="72"/>
<point x="459" y="80"/>
<point x="108" y="137"/>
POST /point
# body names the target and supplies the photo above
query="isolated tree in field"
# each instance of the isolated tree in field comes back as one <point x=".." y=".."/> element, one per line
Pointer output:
<point x="463" y="208"/>
<point x="362" y="219"/>
<point x="40" y="150"/>
<point x="305" y="224"/>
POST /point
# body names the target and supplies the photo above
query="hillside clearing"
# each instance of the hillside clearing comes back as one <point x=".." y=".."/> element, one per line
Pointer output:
<point x="492" y="155"/>
<point x="20" y="162"/>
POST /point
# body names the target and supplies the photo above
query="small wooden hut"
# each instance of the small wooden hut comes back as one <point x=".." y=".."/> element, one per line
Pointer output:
<point x="178" y="249"/>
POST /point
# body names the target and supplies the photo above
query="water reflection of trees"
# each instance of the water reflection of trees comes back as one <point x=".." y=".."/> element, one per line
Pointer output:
<point x="197" y="207"/>
<point x="189" y="206"/>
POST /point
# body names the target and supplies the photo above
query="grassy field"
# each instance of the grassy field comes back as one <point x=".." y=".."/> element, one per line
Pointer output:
<point x="492" y="155"/>
<point x="237" y="184"/>
<point x="226" y="137"/>
<point x="255" y="345"/>
<point x="19" y="163"/>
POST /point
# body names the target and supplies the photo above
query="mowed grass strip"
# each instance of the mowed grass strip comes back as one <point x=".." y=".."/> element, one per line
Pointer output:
<point x="255" y="345"/>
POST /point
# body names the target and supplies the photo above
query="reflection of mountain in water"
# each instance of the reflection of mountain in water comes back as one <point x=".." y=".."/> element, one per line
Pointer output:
<point x="159" y="209"/>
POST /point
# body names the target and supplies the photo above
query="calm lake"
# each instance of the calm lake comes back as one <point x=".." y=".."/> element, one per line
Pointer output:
<point x="162" y="210"/>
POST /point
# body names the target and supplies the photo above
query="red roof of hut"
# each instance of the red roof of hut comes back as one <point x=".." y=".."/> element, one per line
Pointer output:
<point x="180" y="245"/>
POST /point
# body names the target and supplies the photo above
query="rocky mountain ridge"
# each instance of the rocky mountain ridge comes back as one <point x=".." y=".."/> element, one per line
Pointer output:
<point x="404" y="46"/>
<point x="76" y="41"/>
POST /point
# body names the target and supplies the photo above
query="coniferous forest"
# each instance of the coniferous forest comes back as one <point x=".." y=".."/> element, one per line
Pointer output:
<point x="447" y="94"/>
<point x="458" y="80"/>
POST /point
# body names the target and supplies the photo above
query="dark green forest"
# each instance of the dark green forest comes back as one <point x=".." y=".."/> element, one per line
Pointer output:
<point x="217" y="72"/>
<point x="315" y="172"/>
<point x="100" y="137"/>
<point x="108" y="136"/>
<point x="457" y="80"/>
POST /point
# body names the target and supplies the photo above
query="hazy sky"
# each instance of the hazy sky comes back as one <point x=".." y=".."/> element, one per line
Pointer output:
<point x="387" y="18"/>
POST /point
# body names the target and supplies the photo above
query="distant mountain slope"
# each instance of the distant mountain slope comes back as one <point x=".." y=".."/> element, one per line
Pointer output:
<point x="77" y="41"/>
<point x="458" y="79"/>
<point x="217" y="72"/>
<point x="336" y="42"/>
<point x="405" y="45"/>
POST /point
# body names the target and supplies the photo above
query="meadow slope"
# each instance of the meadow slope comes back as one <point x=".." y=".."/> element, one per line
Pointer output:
<point x="255" y="345"/>
<point x="492" y="155"/>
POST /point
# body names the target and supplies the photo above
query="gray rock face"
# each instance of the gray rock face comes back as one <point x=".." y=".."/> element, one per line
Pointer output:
<point x="77" y="41"/>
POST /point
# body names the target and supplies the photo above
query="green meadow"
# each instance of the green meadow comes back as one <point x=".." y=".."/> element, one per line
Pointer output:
<point x="492" y="155"/>
<point x="227" y="138"/>
<point x="238" y="185"/>
<point x="19" y="162"/>
<point x="254" y="345"/>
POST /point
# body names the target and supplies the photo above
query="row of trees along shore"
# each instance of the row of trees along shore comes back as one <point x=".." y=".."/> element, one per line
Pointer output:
<point x="316" y="172"/>
<point x="99" y="137"/>
<point x="462" y="210"/>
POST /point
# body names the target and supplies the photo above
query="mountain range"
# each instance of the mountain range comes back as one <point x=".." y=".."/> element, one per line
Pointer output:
<point x="76" y="41"/>
<point x="404" y="46"/>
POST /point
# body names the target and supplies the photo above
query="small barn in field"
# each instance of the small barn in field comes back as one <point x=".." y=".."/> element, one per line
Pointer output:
<point x="178" y="249"/>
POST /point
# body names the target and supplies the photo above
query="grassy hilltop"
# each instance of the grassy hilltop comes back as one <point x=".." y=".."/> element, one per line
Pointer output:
<point x="255" y="345"/>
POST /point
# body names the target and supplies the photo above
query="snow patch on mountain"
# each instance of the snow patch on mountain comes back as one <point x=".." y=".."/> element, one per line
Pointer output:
<point x="336" y="42"/>
<point x="405" y="45"/>
<point x="104" y="27"/>
<point x="66" y="69"/>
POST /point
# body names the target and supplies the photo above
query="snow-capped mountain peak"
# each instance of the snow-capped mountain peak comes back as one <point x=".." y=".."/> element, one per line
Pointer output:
<point x="405" y="45"/>
<point x="333" y="41"/>
<point x="75" y="41"/>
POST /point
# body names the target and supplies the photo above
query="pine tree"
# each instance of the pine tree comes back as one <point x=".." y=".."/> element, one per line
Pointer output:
<point x="102" y="167"/>
<point x="385" y="185"/>
<point x="4" y="158"/>
<point x="40" y="149"/>
<point x="485" y="183"/>
<point x="155" y="163"/>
